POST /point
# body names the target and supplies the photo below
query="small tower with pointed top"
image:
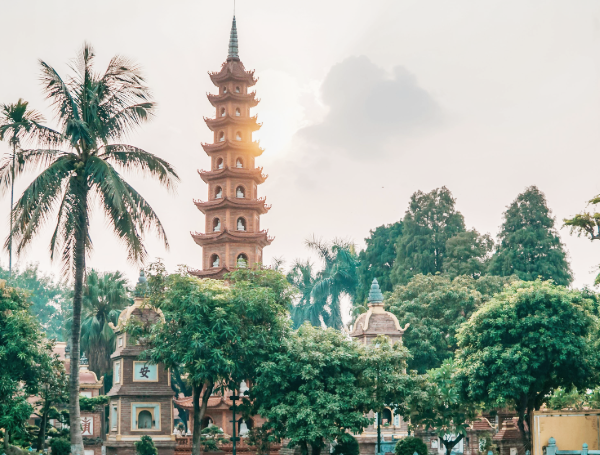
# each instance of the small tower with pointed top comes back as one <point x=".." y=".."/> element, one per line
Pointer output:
<point x="377" y="321"/>
<point x="232" y="235"/>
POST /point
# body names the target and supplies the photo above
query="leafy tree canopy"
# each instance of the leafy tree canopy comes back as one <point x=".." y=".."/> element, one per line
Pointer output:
<point x="527" y="341"/>
<point x="49" y="298"/>
<point x="468" y="253"/>
<point x="377" y="260"/>
<point x="431" y="219"/>
<point x="216" y="332"/>
<point x="410" y="445"/>
<point x="587" y="224"/>
<point x="435" y="306"/>
<point x="440" y="406"/>
<point x="320" y="384"/>
<point x="529" y="243"/>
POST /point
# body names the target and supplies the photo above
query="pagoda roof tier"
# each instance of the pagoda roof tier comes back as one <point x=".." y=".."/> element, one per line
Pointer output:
<point x="249" y="147"/>
<point x="235" y="203"/>
<point x="233" y="70"/>
<point x="254" y="174"/>
<point x="220" y="122"/>
<point x="260" y="238"/>
<point x="215" y="273"/>
<point x="244" y="98"/>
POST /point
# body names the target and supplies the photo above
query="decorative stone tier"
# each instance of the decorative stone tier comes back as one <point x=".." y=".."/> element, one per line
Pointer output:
<point x="260" y="238"/>
<point x="214" y="273"/>
<point x="247" y="99"/>
<point x="252" y="148"/>
<point x="249" y="122"/>
<point x="234" y="172"/>
<point x="235" y="203"/>
<point x="233" y="72"/>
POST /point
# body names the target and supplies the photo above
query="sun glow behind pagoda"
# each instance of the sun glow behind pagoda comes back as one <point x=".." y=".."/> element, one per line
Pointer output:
<point x="232" y="237"/>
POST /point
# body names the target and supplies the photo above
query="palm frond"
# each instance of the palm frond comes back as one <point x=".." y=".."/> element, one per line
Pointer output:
<point x="132" y="158"/>
<point x="25" y="161"/>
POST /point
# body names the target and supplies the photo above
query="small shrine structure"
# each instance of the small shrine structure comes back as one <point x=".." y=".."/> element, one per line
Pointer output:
<point x="92" y="427"/>
<point x="232" y="235"/>
<point x="141" y="398"/>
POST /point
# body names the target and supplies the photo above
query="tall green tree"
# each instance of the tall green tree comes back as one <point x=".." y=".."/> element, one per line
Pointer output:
<point x="94" y="111"/>
<point x="49" y="298"/>
<point x="105" y="295"/>
<point x="468" y="253"/>
<point x="440" y="406"/>
<point x="17" y="122"/>
<point x="217" y="334"/>
<point x="337" y="278"/>
<point x="587" y="224"/>
<point x="431" y="219"/>
<point x="377" y="260"/>
<point x="527" y="341"/>
<point x="321" y="384"/>
<point x="302" y="277"/>
<point x="436" y="306"/>
<point x="25" y="358"/>
<point x="530" y="246"/>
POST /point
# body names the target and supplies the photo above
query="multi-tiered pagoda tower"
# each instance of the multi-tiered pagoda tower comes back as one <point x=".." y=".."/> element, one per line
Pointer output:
<point x="232" y="237"/>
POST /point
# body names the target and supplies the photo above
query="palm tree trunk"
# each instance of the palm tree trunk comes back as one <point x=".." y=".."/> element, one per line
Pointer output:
<point x="79" y="260"/>
<point x="12" y="198"/>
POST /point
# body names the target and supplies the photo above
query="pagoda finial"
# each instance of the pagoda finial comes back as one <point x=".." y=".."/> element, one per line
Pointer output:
<point x="233" y="42"/>
<point x="375" y="295"/>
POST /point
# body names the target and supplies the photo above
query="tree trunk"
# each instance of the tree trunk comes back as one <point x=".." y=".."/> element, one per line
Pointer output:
<point x="449" y="445"/>
<point x="316" y="449"/>
<point x="303" y="448"/>
<point x="41" y="439"/>
<point x="81" y="232"/>
<point x="199" y="411"/>
<point x="521" y="408"/>
<point x="12" y="198"/>
<point x="6" y="440"/>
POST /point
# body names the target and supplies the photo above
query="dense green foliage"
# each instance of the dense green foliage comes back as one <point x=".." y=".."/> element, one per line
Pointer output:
<point x="80" y="165"/>
<point x="468" y="253"/>
<point x="410" y="445"/>
<point x="211" y="438"/>
<point x="377" y="260"/>
<point x="216" y="333"/>
<point x="104" y="296"/>
<point x="440" y="406"/>
<point x="60" y="446"/>
<point x="321" y="294"/>
<point x="346" y="445"/>
<point x="527" y="341"/>
<point x="145" y="446"/>
<point x="529" y="243"/>
<point x="435" y="307"/>
<point x="431" y="219"/>
<point x="588" y="224"/>
<point x="49" y="299"/>
<point x="321" y="384"/>
<point x="25" y="358"/>
<point x="574" y="399"/>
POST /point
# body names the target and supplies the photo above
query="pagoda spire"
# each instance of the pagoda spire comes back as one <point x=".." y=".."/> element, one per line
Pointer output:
<point x="233" y="42"/>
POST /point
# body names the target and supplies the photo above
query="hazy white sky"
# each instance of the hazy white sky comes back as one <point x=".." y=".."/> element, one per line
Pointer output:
<point x="363" y="103"/>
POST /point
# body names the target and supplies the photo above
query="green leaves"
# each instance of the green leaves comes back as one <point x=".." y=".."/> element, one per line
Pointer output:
<point x="529" y="244"/>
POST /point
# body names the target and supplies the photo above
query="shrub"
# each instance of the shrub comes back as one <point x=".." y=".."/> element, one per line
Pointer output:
<point x="145" y="446"/>
<point x="410" y="445"/>
<point x="347" y="445"/>
<point x="60" y="446"/>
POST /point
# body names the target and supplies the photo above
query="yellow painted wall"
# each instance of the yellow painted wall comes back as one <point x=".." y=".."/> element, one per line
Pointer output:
<point x="570" y="429"/>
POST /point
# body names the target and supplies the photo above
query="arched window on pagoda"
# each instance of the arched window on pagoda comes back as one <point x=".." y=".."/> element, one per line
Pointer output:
<point x="218" y="192"/>
<point x="238" y="136"/>
<point x="239" y="163"/>
<point x="220" y="163"/>
<point x="237" y="89"/>
<point x="207" y="422"/>
<point x="238" y="112"/>
<point x="224" y="89"/>
<point x="223" y="112"/>
<point x="215" y="261"/>
<point x="244" y="426"/>
<point x="242" y="261"/>
<point x="221" y="136"/>
<point x="216" y="225"/>
<point x="241" y="224"/>
<point x="386" y="417"/>
<point x="240" y="192"/>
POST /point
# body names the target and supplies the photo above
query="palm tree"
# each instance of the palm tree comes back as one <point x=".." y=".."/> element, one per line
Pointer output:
<point x="301" y="276"/>
<point x="94" y="112"/>
<point x="338" y="278"/>
<point x="16" y="123"/>
<point x="104" y="296"/>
